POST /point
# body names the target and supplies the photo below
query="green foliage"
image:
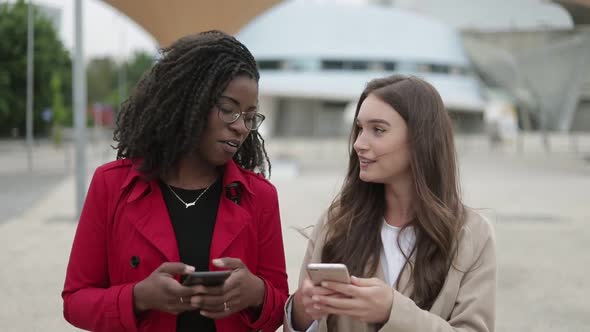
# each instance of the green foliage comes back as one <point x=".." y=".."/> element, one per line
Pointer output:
<point x="59" y="111"/>
<point x="107" y="79"/>
<point x="51" y="59"/>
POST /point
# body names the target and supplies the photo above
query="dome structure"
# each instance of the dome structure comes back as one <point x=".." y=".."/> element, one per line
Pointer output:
<point x="315" y="60"/>
<point x="303" y="30"/>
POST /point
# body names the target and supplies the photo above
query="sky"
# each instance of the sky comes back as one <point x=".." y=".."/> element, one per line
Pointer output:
<point x="107" y="32"/>
<point x="110" y="33"/>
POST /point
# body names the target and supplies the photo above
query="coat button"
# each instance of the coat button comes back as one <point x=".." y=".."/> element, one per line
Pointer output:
<point x="134" y="261"/>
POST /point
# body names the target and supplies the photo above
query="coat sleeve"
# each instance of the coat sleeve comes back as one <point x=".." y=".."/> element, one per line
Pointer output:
<point x="271" y="269"/>
<point x="89" y="301"/>
<point x="310" y="252"/>
<point x="474" y="309"/>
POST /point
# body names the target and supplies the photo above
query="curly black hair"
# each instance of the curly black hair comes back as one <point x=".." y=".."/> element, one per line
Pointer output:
<point x="166" y="114"/>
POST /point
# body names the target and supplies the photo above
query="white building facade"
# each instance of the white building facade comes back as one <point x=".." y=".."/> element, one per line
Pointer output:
<point x="316" y="59"/>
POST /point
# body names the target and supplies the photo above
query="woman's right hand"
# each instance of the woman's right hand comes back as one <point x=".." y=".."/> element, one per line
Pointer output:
<point x="161" y="291"/>
<point x="304" y="311"/>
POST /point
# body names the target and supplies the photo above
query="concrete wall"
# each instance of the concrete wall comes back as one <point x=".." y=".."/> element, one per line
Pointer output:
<point x="546" y="72"/>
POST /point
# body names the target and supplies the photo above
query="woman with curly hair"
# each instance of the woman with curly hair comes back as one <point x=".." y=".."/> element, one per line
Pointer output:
<point x="183" y="196"/>
<point x="420" y="259"/>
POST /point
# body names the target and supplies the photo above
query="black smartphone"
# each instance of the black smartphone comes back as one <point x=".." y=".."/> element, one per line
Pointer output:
<point x="206" y="278"/>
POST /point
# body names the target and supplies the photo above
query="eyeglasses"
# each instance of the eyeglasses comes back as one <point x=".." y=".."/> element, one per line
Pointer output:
<point x="230" y="113"/>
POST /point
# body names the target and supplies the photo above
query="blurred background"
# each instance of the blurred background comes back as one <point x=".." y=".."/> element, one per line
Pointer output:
<point x="514" y="76"/>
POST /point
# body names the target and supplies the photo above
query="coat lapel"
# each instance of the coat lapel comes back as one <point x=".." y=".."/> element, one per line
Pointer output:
<point x="231" y="220"/>
<point x="231" y="217"/>
<point x="146" y="210"/>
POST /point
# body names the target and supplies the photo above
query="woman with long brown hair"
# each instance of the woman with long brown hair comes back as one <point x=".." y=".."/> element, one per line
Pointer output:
<point x="420" y="259"/>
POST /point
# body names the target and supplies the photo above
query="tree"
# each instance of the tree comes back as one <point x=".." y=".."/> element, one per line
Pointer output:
<point x="104" y="74"/>
<point x="51" y="59"/>
<point x="101" y="74"/>
<point x="136" y="67"/>
<point x="59" y="111"/>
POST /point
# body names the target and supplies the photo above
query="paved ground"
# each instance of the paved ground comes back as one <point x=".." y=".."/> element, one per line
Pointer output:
<point x="539" y="204"/>
<point x="17" y="184"/>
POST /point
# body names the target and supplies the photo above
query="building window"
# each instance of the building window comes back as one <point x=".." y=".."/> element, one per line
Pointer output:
<point x="332" y="64"/>
<point x="269" y="64"/>
<point x="389" y="66"/>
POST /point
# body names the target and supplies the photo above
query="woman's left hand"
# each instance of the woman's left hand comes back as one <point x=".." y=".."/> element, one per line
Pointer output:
<point x="368" y="300"/>
<point x="241" y="290"/>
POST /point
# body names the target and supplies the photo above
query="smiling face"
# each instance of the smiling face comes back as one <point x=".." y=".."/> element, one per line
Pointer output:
<point x="220" y="141"/>
<point x="382" y="142"/>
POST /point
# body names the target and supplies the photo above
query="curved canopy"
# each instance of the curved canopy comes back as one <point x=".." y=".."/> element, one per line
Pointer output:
<point x="167" y="21"/>
<point x="578" y="9"/>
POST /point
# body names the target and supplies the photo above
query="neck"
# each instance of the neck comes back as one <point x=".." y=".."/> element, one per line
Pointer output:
<point x="192" y="173"/>
<point x="399" y="197"/>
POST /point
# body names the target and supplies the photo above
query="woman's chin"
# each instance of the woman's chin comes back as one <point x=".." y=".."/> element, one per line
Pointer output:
<point x="363" y="176"/>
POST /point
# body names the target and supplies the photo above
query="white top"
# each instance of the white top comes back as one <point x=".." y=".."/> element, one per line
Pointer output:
<point x="392" y="259"/>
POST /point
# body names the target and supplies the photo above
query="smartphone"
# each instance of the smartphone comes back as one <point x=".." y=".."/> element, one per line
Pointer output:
<point x="206" y="278"/>
<point x="319" y="272"/>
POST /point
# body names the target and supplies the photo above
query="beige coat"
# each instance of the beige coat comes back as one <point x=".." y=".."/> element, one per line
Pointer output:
<point x="466" y="302"/>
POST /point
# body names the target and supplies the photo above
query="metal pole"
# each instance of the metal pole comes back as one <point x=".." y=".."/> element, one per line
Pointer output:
<point x="122" y="68"/>
<point x="79" y="107"/>
<point x="29" y="111"/>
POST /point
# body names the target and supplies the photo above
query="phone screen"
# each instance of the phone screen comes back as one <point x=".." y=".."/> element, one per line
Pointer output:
<point x="206" y="278"/>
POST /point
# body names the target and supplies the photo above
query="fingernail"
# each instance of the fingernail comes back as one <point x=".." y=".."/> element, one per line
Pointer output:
<point x="316" y="306"/>
<point x="189" y="269"/>
<point x="218" y="262"/>
<point x="315" y="298"/>
<point x="324" y="284"/>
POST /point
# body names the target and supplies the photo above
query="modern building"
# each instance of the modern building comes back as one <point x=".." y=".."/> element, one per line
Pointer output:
<point x="537" y="52"/>
<point x="510" y="42"/>
<point x="315" y="60"/>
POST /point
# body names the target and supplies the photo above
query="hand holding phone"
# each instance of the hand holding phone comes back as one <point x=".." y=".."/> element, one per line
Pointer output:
<point x="319" y="272"/>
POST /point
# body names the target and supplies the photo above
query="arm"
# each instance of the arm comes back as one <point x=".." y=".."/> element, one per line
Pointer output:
<point x="90" y="302"/>
<point x="271" y="270"/>
<point x="474" y="309"/>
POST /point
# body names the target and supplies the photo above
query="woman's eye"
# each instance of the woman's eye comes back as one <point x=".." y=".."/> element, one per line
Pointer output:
<point x="379" y="130"/>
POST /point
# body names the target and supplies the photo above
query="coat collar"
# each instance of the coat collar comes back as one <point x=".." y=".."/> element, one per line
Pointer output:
<point x="148" y="212"/>
<point x="231" y="173"/>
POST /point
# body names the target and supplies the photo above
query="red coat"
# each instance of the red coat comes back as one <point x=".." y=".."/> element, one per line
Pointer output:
<point x="125" y="216"/>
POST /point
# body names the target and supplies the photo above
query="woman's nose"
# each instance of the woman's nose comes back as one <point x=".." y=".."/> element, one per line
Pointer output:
<point x="239" y="125"/>
<point x="360" y="144"/>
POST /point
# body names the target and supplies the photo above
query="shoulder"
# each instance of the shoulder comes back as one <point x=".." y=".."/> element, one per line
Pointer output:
<point x="118" y="165"/>
<point x="115" y="171"/>
<point x="476" y="226"/>
<point x="477" y="235"/>
<point x="259" y="185"/>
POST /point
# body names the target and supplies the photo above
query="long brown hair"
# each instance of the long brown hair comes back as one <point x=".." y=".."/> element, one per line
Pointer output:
<point x="355" y="216"/>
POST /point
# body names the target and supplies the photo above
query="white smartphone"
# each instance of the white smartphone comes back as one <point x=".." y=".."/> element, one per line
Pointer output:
<point x="319" y="272"/>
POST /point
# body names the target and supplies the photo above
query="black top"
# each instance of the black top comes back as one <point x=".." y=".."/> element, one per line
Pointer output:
<point x="193" y="227"/>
